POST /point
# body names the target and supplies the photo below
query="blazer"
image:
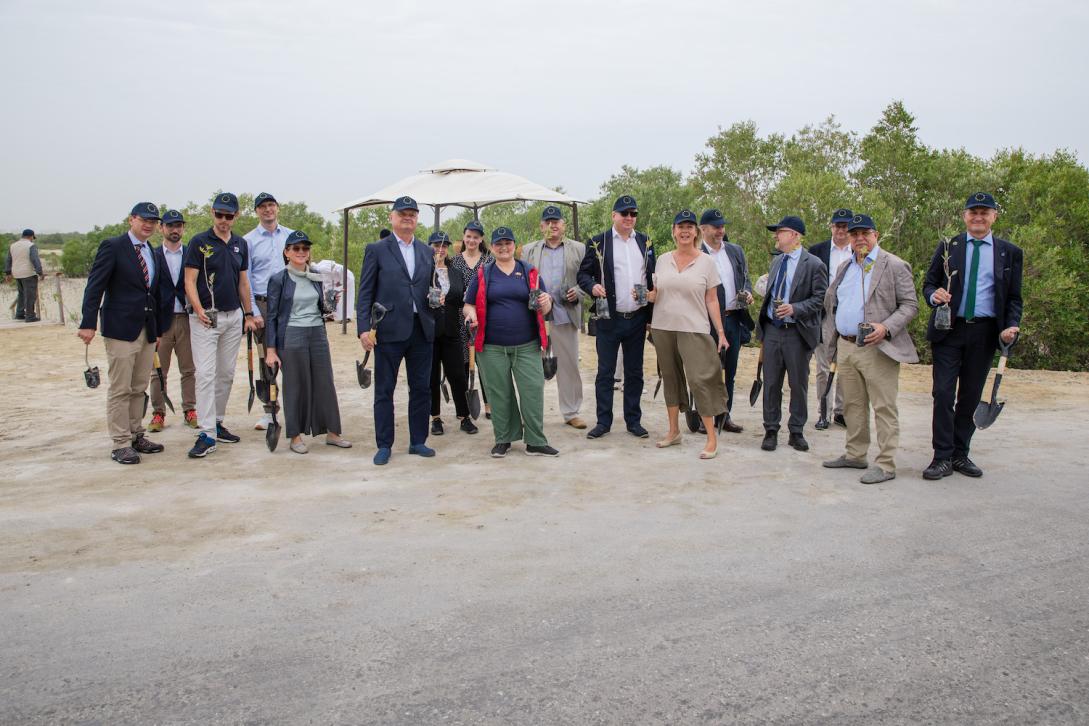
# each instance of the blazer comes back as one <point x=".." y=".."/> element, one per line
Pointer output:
<point x="448" y="317"/>
<point x="590" y="270"/>
<point x="806" y="295"/>
<point x="891" y="301"/>
<point x="1008" y="263"/>
<point x="573" y="254"/>
<point x="280" y="298"/>
<point x="168" y="291"/>
<point x="117" y="285"/>
<point x="384" y="279"/>
<point x="741" y="282"/>
<point x="823" y="252"/>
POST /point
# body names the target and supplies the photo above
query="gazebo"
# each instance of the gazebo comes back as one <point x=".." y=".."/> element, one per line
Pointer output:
<point x="457" y="183"/>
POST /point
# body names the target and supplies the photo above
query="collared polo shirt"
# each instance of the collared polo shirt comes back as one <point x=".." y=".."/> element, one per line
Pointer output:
<point x="226" y="263"/>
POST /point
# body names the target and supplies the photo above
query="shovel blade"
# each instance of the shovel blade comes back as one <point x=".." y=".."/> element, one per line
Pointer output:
<point x="249" y="402"/>
<point x="551" y="365"/>
<point x="986" y="413"/>
<point x="657" y="387"/>
<point x="261" y="387"/>
<point x="754" y="394"/>
<point x="272" y="436"/>
<point x="146" y="399"/>
<point x="472" y="397"/>
<point x="169" y="403"/>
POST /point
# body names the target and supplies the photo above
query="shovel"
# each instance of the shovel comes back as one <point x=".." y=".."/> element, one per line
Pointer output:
<point x="91" y="376"/>
<point x="472" y="396"/>
<point x="823" y="417"/>
<point x="272" y="436"/>
<point x="658" y="385"/>
<point x="362" y="373"/>
<point x="692" y="416"/>
<point x="262" y="383"/>
<point x="759" y="382"/>
<point x="548" y="359"/>
<point x="986" y="413"/>
<point x="445" y="390"/>
<point x="162" y="385"/>
<point x="249" y="363"/>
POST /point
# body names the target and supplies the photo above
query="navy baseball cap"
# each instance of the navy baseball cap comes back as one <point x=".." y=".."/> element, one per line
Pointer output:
<point x="439" y="237"/>
<point x="225" y="202"/>
<point x="788" y="222"/>
<point x="401" y="203"/>
<point x="145" y="210"/>
<point x="28" y="232"/>
<point x="981" y="199"/>
<point x="502" y="233"/>
<point x="551" y="212"/>
<point x="861" y="221"/>
<point x="685" y="216"/>
<point x="625" y="203"/>
<point x="172" y="216"/>
<point x="262" y="198"/>
<point x="842" y="216"/>
<point x="712" y="217"/>
<point x="475" y="226"/>
<point x="298" y="237"/>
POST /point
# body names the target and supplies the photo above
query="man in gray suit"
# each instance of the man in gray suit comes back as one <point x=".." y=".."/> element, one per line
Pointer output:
<point x="873" y="295"/>
<point x="789" y="327"/>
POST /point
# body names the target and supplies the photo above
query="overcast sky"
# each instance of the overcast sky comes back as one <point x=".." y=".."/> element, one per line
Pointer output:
<point x="110" y="102"/>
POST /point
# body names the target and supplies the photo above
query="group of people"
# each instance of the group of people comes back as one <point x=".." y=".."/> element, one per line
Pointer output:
<point x="509" y="321"/>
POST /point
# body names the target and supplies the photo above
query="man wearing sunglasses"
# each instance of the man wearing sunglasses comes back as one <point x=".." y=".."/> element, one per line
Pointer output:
<point x="216" y="281"/>
<point x="616" y="261"/>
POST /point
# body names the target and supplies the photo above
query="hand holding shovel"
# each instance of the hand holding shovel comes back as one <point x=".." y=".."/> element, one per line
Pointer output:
<point x="362" y="373"/>
<point x="986" y="413"/>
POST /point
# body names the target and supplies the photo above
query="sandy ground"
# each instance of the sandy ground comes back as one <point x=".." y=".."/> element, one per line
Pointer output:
<point x="615" y="584"/>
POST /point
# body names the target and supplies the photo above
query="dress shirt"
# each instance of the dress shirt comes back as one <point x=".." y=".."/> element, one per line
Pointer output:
<point x="552" y="269"/>
<point x="725" y="274"/>
<point x="852" y="293"/>
<point x="266" y="259"/>
<point x="984" y="277"/>
<point x="837" y="257"/>
<point x="145" y="251"/>
<point x="174" y="264"/>
<point x="409" y="254"/>
<point x="790" y="259"/>
<point x="629" y="270"/>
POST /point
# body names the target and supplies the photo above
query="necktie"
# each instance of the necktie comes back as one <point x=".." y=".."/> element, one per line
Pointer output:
<point x="973" y="273"/>
<point x="778" y="291"/>
<point x="143" y="264"/>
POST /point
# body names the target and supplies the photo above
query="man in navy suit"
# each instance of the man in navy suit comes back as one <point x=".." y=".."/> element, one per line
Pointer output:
<point x="615" y="262"/>
<point x="397" y="272"/>
<point x="170" y="257"/>
<point x="126" y="273"/>
<point x="985" y="295"/>
<point x="734" y="298"/>
<point x="833" y="252"/>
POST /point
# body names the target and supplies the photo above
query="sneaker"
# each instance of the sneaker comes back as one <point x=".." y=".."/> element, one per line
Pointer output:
<point x="876" y="475"/>
<point x="545" y="450"/>
<point x="125" y="455"/>
<point x="938" y="469"/>
<point x="191" y="419"/>
<point x="468" y="426"/>
<point x="143" y="446"/>
<point x="263" y="422"/>
<point x="842" y="462"/>
<point x="500" y="450"/>
<point x="205" y="445"/>
<point x="158" y="420"/>
<point x="222" y="434"/>
<point x="421" y="450"/>
<point x="436" y="427"/>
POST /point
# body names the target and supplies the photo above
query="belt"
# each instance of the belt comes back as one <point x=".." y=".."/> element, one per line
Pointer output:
<point x="784" y="326"/>
<point x="973" y="321"/>
<point x="262" y="298"/>
<point x="850" y="338"/>
<point x="181" y="315"/>
<point x="628" y="316"/>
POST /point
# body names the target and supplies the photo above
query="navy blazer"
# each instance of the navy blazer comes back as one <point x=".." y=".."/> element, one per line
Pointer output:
<point x="129" y="306"/>
<point x="590" y="270"/>
<point x="823" y="252"/>
<point x="168" y="291"/>
<point x="741" y="282"/>
<point x="806" y="295"/>
<point x="384" y="279"/>
<point x="280" y="298"/>
<point x="1008" y="263"/>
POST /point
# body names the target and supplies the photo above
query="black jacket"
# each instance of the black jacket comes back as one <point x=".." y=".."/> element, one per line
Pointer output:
<point x="115" y="287"/>
<point x="168" y="291"/>
<point x="448" y="317"/>
<point x="590" y="270"/>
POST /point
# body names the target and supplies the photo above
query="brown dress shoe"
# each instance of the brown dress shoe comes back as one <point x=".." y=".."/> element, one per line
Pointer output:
<point x="732" y="427"/>
<point x="576" y="423"/>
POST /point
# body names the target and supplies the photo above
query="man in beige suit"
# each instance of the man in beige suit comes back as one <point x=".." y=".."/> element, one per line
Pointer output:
<point x="872" y="295"/>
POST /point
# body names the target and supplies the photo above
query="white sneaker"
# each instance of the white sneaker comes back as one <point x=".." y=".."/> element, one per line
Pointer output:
<point x="262" y="423"/>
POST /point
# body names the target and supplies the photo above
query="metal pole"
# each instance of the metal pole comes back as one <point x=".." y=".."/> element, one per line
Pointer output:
<point x="575" y="220"/>
<point x="438" y="210"/>
<point x="344" y="290"/>
<point x="476" y="213"/>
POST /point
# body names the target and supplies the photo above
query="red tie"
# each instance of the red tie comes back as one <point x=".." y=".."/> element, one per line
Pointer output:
<point x="143" y="264"/>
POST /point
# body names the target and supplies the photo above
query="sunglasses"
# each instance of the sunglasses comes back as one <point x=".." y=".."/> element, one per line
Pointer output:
<point x="628" y="213"/>
<point x="298" y="248"/>
<point x="225" y="215"/>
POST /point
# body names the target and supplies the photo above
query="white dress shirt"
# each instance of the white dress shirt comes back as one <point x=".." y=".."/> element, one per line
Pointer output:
<point x="725" y="274"/>
<point x="629" y="270"/>
<point x="174" y="264"/>
<point x="409" y="254"/>
<point x="837" y="257"/>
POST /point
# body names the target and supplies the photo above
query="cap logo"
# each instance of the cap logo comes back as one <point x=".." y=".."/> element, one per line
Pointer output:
<point x="225" y="198"/>
<point x="841" y="213"/>
<point x="627" y="200"/>
<point x="151" y="207"/>
<point x="980" y="197"/>
<point x="857" y="218"/>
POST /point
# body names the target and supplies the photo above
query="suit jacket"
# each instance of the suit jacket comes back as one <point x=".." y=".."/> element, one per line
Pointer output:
<point x="128" y="306"/>
<point x="590" y="270"/>
<point x="385" y="279"/>
<point x="1008" y="262"/>
<point x="741" y="282"/>
<point x="823" y="252"/>
<point x="573" y="254"/>
<point x="891" y="301"/>
<point x="806" y="295"/>
<point x="168" y="291"/>
<point x="448" y="317"/>
<point x="280" y="299"/>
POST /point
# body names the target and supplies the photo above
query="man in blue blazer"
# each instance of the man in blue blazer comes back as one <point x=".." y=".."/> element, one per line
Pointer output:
<point x="616" y="260"/>
<point x="125" y="272"/>
<point x="985" y="294"/>
<point x="397" y="272"/>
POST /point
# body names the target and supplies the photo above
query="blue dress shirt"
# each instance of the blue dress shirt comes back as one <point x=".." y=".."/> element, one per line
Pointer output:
<point x="266" y="259"/>
<point x="790" y="259"/>
<point x="984" y="277"/>
<point x="852" y="292"/>
<point x="149" y="258"/>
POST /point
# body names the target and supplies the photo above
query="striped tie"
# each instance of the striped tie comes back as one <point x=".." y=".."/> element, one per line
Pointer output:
<point x="143" y="264"/>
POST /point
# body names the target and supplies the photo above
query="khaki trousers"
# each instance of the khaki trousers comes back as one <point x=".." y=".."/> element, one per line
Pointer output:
<point x="690" y="361"/>
<point x="176" y="341"/>
<point x="130" y="364"/>
<point x="215" y="352"/>
<point x="565" y="346"/>
<point x="823" y="356"/>
<point x="870" y="379"/>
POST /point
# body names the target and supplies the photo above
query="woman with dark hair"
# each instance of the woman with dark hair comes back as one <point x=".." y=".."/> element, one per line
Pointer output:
<point x="505" y="305"/>
<point x="472" y="254"/>
<point x="447" y="297"/>
<point x="295" y="340"/>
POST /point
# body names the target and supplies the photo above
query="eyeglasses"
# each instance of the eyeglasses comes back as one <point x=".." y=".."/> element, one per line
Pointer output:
<point x="298" y="248"/>
<point x="225" y="215"/>
<point x="628" y="213"/>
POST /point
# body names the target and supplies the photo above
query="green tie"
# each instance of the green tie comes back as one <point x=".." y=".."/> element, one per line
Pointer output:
<point x="970" y="301"/>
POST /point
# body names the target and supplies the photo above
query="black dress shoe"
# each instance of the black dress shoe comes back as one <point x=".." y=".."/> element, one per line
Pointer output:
<point x="966" y="466"/>
<point x="771" y="440"/>
<point x="702" y="429"/>
<point x="597" y="432"/>
<point x="732" y="427"/>
<point x="821" y="424"/>
<point x="143" y="446"/>
<point x="125" y="455"/>
<point x="798" y="442"/>
<point x="839" y="420"/>
<point x="468" y="426"/>
<point x="638" y="431"/>
<point x="436" y="427"/>
<point x="938" y="469"/>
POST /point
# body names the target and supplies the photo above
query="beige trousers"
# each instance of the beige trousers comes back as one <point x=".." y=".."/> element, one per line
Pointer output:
<point x="176" y="341"/>
<point x="870" y="379"/>
<point x="823" y="357"/>
<point x="565" y="346"/>
<point x="130" y="364"/>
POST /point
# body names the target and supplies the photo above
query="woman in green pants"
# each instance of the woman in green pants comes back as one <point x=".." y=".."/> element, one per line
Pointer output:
<point x="505" y="304"/>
